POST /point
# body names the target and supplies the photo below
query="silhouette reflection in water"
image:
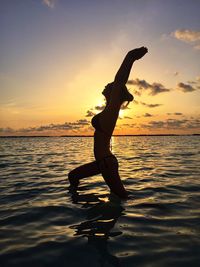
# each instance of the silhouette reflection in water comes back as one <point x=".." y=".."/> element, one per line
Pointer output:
<point x="102" y="214"/>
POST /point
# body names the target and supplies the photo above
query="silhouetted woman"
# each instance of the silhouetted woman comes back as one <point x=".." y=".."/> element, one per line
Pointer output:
<point x="104" y="123"/>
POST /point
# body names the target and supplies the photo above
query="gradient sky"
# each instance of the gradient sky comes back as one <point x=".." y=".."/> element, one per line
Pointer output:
<point x="57" y="56"/>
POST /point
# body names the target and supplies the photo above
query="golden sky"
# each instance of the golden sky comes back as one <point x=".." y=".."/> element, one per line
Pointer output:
<point x="57" y="56"/>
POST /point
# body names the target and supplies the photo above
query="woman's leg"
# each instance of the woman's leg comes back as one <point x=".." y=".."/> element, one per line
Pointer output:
<point x="83" y="171"/>
<point x="109" y="169"/>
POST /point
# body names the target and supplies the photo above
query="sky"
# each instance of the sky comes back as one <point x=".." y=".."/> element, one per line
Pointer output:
<point x="57" y="56"/>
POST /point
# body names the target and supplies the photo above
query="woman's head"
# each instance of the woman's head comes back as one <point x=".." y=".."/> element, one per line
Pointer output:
<point x="125" y="95"/>
<point x="107" y="91"/>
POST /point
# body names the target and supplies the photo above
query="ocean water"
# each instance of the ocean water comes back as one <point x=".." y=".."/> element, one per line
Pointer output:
<point x="44" y="223"/>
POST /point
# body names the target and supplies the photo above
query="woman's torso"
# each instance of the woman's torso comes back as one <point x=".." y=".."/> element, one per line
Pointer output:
<point x="104" y="124"/>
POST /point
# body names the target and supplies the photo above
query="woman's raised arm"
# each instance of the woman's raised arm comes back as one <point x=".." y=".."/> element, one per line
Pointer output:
<point x="122" y="75"/>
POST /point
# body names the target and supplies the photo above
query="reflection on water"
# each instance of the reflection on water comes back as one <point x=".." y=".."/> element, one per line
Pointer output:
<point x="44" y="224"/>
<point x="101" y="215"/>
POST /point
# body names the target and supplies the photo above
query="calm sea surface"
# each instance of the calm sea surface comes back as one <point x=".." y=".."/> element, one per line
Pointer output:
<point x="43" y="223"/>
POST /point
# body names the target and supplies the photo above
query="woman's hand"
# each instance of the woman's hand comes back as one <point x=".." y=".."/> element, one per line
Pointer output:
<point x="123" y="73"/>
<point x="138" y="52"/>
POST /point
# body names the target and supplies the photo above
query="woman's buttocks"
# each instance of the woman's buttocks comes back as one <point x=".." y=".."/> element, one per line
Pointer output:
<point x="101" y="145"/>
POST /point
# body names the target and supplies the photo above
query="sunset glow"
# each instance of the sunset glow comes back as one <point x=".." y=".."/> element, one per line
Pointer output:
<point x="57" y="56"/>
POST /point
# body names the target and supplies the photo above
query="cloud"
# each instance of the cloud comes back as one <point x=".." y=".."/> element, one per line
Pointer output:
<point x="49" y="3"/>
<point x="175" y="113"/>
<point x="90" y="113"/>
<point x="82" y="122"/>
<point x="188" y="36"/>
<point x="173" y="124"/>
<point x="100" y="107"/>
<point x="136" y="92"/>
<point x="142" y="84"/>
<point x="157" y="88"/>
<point x="194" y="124"/>
<point x="154" y="88"/>
<point x="7" y="130"/>
<point x="190" y="86"/>
<point x="127" y="117"/>
<point x="146" y="105"/>
<point x="73" y="126"/>
<point x="185" y="87"/>
<point x="148" y="115"/>
<point x="155" y="124"/>
<point x="150" y="105"/>
<point x="79" y="127"/>
<point x="128" y="125"/>
<point x="178" y="113"/>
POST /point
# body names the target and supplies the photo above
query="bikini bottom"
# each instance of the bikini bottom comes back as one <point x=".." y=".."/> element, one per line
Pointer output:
<point x="105" y="162"/>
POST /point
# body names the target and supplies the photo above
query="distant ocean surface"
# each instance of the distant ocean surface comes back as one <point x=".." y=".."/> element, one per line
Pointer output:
<point x="43" y="223"/>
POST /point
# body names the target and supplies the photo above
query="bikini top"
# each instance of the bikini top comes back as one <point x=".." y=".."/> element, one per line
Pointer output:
<point x="96" y="124"/>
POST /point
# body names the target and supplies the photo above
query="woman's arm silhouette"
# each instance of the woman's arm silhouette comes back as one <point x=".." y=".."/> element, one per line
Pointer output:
<point x="123" y="73"/>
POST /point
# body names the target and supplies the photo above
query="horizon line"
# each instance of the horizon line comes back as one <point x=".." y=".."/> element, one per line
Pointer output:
<point x="117" y="135"/>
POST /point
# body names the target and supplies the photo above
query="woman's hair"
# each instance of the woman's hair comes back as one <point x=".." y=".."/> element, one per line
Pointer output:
<point x="126" y="96"/>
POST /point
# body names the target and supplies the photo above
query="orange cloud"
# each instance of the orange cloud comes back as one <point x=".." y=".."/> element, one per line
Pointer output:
<point x="188" y="36"/>
<point x="153" y="89"/>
